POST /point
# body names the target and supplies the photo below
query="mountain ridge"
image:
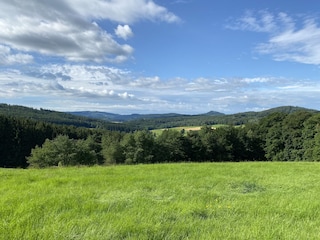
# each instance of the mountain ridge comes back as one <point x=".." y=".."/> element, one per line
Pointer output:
<point x="132" y="122"/>
<point x="107" y="116"/>
<point x="135" y="116"/>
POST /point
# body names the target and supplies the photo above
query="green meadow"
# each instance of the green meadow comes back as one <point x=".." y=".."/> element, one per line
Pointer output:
<point x="248" y="200"/>
<point x="185" y="128"/>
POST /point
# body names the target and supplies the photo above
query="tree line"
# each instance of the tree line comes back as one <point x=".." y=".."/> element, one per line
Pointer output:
<point x="276" y="137"/>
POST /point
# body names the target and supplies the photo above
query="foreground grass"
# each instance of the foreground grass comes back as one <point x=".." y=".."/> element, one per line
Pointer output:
<point x="165" y="201"/>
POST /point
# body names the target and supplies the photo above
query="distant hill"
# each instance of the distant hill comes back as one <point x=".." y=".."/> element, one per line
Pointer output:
<point x="255" y="116"/>
<point x="285" y="109"/>
<point x="122" y="118"/>
<point x="133" y="122"/>
<point x="61" y="118"/>
<point x="154" y="121"/>
<point x="213" y="113"/>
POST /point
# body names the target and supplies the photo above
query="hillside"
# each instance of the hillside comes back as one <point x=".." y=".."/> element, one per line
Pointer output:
<point x="112" y="117"/>
<point x="155" y="121"/>
<point x="133" y="122"/>
<point x="208" y="119"/>
<point x="60" y="118"/>
<point x="288" y="135"/>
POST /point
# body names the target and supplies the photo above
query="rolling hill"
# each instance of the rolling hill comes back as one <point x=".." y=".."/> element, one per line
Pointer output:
<point x="60" y="118"/>
<point x="110" y="121"/>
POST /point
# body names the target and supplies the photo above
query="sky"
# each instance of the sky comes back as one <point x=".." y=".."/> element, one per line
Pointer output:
<point x="160" y="56"/>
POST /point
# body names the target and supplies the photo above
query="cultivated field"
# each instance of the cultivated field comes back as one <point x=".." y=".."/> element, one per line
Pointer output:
<point x="167" y="201"/>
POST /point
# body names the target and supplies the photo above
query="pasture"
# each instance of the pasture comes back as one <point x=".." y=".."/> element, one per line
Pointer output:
<point x="185" y="128"/>
<point x="253" y="200"/>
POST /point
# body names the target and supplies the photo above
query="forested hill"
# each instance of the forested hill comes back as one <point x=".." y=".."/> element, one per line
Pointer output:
<point x="282" y="134"/>
<point x="133" y="122"/>
<point x="123" y="118"/>
<point x="60" y="118"/>
<point x="156" y="121"/>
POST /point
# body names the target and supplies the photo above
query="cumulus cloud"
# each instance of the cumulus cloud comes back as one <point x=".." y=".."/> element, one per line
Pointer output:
<point x="70" y="29"/>
<point x="124" y="32"/>
<point x="123" y="11"/>
<point x="70" y="87"/>
<point x="290" y="39"/>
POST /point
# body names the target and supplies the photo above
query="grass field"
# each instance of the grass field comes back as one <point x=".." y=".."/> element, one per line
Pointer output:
<point x="167" y="201"/>
<point x="185" y="128"/>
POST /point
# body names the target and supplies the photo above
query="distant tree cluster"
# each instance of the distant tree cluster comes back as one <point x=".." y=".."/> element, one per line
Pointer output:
<point x="276" y="137"/>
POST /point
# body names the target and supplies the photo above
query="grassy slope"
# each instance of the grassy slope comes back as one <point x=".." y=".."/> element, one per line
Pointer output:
<point x="186" y="128"/>
<point x="167" y="201"/>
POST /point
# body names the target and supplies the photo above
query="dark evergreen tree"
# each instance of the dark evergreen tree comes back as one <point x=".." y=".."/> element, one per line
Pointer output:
<point x="309" y="131"/>
<point x="112" y="150"/>
<point x="171" y="147"/>
<point x="316" y="146"/>
<point x="196" y="151"/>
<point x="292" y="132"/>
<point x="144" y="143"/>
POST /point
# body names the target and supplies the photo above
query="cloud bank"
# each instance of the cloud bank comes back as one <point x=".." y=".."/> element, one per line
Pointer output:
<point x="7" y="57"/>
<point x="95" y="87"/>
<point x="70" y="28"/>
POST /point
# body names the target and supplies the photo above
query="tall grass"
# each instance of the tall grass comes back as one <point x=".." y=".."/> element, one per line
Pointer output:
<point x="165" y="201"/>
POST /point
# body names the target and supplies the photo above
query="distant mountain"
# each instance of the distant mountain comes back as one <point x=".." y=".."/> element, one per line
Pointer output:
<point x="245" y="117"/>
<point x="103" y="115"/>
<point x="154" y="121"/>
<point x="61" y="118"/>
<point x="133" y="122"/>
<point x="282" y="109"/>
<point x="112" y="117"/>
<point x="122" y="118"/>
<point x="213" y="113"/>
<point x="286" y="109"/>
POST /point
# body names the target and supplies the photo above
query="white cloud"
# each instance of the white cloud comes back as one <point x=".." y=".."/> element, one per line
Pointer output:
<point x="297" y="45"/>
<point x="9" y="58"/>
<point x="69" y="28"/>
<point x="70" y="87"/>
<point x="124" y="11"/>
<point x="263" y="21"/>
<point x="256" y="80"/>
<point x="250" y="21"/>
<point x="287" y="41"/>
<point x="124" y="31"/>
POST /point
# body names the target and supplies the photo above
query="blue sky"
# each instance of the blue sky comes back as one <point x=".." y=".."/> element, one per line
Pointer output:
<point x="160" y="56"/>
